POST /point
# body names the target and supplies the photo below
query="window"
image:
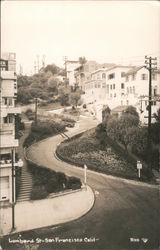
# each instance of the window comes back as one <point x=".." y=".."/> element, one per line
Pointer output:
<point x="10" y="101"/>
<point x="133" y="89"/>
<point x="111" y="76"/>
<point x="98" y="76"/>
<point x="155" y="91"/>
<point x="103" y="75"/>
<point x="15" y="86"/>
<point x="133" y="77"/>
<point x="122" y="85"/>
<point x="103" y="85"/>
<point x="144" y="77"/>
<point x="4" y="100"/>
<point x="99" y="85"/>
<point x="127" y="90"/>
<point x="122" y="74"/>
<point x="127" y="102"/>
<point x="114" y="86"/>
<point x="130" y="90"/>
<point x="127" y="78"/>
<point x="154" y="76"/>
<point x="5" y="120"/>
<point x="110" y="86"/>
<point x="8" y="119"/>
<point x="115" y="95"/>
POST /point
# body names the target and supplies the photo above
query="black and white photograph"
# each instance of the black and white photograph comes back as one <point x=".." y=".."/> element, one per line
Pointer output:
<point x="80" y="125"/>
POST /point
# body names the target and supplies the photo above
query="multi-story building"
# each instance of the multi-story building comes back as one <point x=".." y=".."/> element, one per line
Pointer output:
<point x="137" y="89"/>
<point x="8" y="143"/>
<point x="115" y="85"/>
<point x="83" y="73"/>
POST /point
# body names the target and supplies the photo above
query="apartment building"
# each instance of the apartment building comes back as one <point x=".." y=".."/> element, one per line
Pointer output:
<point x="137" y="88"/>
<point x="8" y="143"/>
<point x="83" y="73"/>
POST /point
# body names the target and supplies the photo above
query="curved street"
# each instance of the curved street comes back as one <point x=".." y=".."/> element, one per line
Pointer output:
<point x="125" y="214"/>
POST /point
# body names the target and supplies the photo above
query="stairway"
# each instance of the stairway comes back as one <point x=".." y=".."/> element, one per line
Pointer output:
<point x="26" y="177"/>
<point x="26" y="186"/>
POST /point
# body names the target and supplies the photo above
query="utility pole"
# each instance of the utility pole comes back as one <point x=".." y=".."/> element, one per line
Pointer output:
<point x="13" y="192"/>
<point x="151" y="66"/>
<point x="36" y="104"/>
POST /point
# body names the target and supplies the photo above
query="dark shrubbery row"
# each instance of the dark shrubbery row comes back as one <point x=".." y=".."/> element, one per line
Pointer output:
<point x="47" y="181"/>
<point x="42" y="130"/>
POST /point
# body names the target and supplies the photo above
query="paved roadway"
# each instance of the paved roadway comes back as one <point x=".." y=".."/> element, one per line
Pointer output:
<point x="124" y="214"/>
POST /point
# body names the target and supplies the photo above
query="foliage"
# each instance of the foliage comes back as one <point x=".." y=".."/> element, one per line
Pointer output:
<point x="105" y="114"/>
<point x="74" y="98"/>
<point x="46" y="181"/>
<point x="53" y="83"/>
<point x="52" y="68"/>
<point x="117" y="128"/>
<point x="24" y="95"/>
<point x="132" y="111"/>
<point x="82" y="60"/>
<point x="42" y="130"/>
<point x="64" y="95"/>
<point x="137" y="140"/>
<point x="157" y="116"/>
<point x="19" y="125"/>
<point x="30" y="114"/>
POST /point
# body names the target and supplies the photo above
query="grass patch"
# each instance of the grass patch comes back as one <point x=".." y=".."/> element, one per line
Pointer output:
<point x="93" y="149"/>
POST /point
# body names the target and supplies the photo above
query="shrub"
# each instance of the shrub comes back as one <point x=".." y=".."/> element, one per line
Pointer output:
<point x="74" y="183"/>
<point x="53" y="185"/>
<point x="38" y="192"/>
<point x="30" y="114"/>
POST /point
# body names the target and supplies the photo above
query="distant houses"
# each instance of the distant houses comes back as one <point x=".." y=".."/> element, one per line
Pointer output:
<point x="115" y="85"/>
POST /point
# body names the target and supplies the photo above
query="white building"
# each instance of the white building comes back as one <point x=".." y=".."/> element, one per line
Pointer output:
<point x="137" y="91"/>
<point x="8" y="143"/>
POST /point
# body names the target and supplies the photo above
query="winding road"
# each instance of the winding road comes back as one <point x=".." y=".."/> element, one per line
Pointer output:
<point x="125" y="214"/>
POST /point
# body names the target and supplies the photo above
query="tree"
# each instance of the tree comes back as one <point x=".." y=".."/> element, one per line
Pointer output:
<point x="105" y="115"/>
<point x="52" y="68"/>
<point x="132" y="111"/>
<point x="23" y="81"/>
<point x="82" y="60"/>
<point x="53" y="83"/>
<point x="23" y="96"/>
<point x="64" y="95"/>
<point x="157" y="116"/>
<point x="74" y="98"/>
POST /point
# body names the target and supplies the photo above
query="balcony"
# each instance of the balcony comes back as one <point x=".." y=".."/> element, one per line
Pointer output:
<point x="8" y="163"/>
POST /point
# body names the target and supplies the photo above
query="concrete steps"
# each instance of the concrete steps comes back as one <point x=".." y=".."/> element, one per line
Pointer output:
<point x="26" y="185"/>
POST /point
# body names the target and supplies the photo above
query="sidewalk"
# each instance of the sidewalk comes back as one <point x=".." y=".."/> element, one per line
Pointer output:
<point x="47" y="212"/>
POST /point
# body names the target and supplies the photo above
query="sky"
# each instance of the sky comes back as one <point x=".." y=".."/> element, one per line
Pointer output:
<point x="105" y="31"/>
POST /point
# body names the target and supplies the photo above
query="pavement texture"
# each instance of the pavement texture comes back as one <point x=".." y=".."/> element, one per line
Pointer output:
<point x="47" y="212"/>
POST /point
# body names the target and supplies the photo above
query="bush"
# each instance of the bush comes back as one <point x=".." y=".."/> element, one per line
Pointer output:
<point x="30" y="114"/>
<point x="38" y="192"/>
<point x="74" y="183"/>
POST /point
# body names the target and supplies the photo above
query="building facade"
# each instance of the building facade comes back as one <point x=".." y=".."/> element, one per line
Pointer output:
<point x="8" y="143"/>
